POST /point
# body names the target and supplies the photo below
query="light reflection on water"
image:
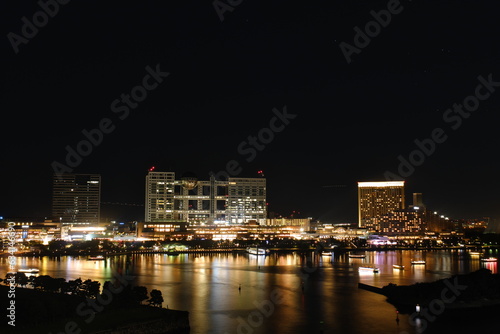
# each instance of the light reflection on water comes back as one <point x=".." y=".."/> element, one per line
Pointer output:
<point x="315" y="292"/>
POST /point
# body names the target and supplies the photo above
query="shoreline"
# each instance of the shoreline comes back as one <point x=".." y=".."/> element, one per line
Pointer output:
<point x="475" y="290"/>
<point x="238" y="251"/>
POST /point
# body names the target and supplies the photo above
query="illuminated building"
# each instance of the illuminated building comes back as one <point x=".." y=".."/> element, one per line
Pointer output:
<point x="237" y="200"/>
<point x="159" y="196"/>
<point x="246" y="200"/>
<point x="76" y="199"/>
<point x="378" y="198"/>
<point x="412" y="221"/>
<point x="305" y="223"/>
<point x="159" y="230"/>
<point x="417" y="200"/>
<point x="407" y="222"/>
<point x="38" y="230"/>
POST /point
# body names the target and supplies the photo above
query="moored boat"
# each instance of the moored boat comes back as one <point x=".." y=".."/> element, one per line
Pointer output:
<point x="357" y="256"/>
<point x="398" y="266"/>
<point x="372" y="269"/>
<point x="256" y="251"/>
<point x="29" y="270"/>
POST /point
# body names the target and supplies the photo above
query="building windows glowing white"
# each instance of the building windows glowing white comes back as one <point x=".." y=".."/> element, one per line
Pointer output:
<point x="76" y="199"/>
<point x="237" y="200"/>
<point x="376" y="199"/>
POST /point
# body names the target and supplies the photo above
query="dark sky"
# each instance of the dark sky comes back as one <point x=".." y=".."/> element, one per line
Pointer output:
<point x="352" y="120"/>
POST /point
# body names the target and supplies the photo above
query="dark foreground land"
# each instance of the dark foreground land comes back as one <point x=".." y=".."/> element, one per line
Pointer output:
<point x="57" y="313"/>
<point x="478" y="289"/>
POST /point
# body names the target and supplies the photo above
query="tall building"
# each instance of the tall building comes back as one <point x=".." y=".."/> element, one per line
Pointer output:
<point x="159" y="203"/>
<point x="417" y="200"/>
<point x="237" y="200"/>
<point x="379" y="198"/>
<point x="76" y="199"/>
<point x="404" y="222"/>
<point x="246" y="200"/>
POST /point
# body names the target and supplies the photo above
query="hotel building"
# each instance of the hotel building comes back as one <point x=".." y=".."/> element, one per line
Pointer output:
<point x="376" y="199"/>
<point x="76" y="199"/>
<point x="237" y="200"/>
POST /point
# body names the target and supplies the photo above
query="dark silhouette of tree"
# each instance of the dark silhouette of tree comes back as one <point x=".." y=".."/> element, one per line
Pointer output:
<point x="74" y="286"/>
<point x="40" y="282"/>
<point x="91" y="288"/>
<point x="107" y="285"/>
<point x="156" y="298"/>
<point x="139" y="293"/>
<point x="7" y="277"/>
<point x="21" y="279"/>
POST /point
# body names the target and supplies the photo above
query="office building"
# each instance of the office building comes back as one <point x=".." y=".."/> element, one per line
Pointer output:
<point x="159" y="203"/>
<point x="246" y="200"/>
<point x="237" y="200"/>
<point x="379" y="198"/>
<point x="76" y="199"/>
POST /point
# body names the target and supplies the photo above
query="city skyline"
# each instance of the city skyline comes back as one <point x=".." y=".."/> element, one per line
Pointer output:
<point x="272" y="89"/>
<point x="88" y="186"/>
<point x="231" y="166"/>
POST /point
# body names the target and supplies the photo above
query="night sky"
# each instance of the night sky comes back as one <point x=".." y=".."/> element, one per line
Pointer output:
<point x="350" y="121"/>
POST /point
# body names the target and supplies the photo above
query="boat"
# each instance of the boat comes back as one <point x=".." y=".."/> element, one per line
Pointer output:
<point x="29" y="270"/>
<point x="326" y="253"/>
<point x="372" y="269"/>
<point x="475" y="253"/>
<point x="96" y="258"/>
<point x="417" y="261"/>
<point x="357" y="256"/>
<point x="489" y="259"/>
<point x="257" y="251"/>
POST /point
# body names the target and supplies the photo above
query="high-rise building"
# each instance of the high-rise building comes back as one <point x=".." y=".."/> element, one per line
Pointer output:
<point x="379" y="198"/>
<point x="237" y="200"/>
<point x="417" y="200"/>
<point x="76" y="199"/>
<point x="159" y="196"/>
<point x="246" y="200"/>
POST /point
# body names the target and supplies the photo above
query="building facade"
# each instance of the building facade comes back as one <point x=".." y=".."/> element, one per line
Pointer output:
<point x="379" y="198"/>
<point x="76" y="199"/>
<point x="237" y="200"/>
<point x="398" y="222"/>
